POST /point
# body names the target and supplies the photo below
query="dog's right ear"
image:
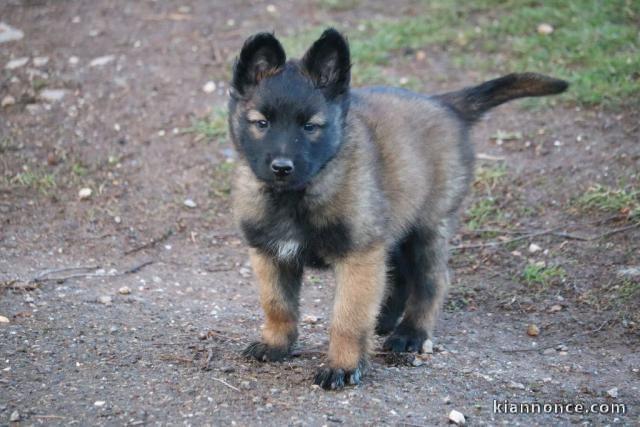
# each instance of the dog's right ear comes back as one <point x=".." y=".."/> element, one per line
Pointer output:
<point x="261" y="56"/>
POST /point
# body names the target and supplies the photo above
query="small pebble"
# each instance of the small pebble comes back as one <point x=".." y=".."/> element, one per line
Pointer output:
<point x="533" y="248"/>
<point x="7" y="101"/>
<point x="74" y="60"/>
<point x="52" y="95"/>
<point x="190" y="203"/>
<point x="457" y="417"/>
<point x="613" y="392"/>
<point x="548" y="351"/>
<point x="85" y="193"/>
<point x="555" y="308"/>
<point x="106" y="300"/>
<point x="209" y="87"/>
<point x="310" y="319"/>
<point x="533" y="330"/>
<point x="99" y="403"/>
<point x="4" y="319"/>
<point x="14" y="417"/>
<point x="40" y="61"/>
<point x="545" y="29"/>
<point x="16" y="63"/>
<point x="516" y="385"/>
<point x="271" y="8"/>
<point x="101" y="61"/>
<point x="125" y="290"/>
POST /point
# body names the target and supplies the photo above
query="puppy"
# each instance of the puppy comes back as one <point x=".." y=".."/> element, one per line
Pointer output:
<point x="366" y="181"/>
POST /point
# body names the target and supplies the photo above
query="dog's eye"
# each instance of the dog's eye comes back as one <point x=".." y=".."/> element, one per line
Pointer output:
<point x="262" y="124"/>
<point x="309" y="127"/>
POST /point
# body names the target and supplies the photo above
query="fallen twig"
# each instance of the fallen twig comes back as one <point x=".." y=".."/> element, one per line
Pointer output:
<point x="506" y="241"/>
<point x="41" y="277"/>
<point x="226" y="383"/>
<point x="208" y="360"/>
<point x="151" y="243"/>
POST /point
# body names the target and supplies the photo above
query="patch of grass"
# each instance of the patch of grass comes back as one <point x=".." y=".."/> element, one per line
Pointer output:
<point x="78" y="169"/>
<point x="482" y="212"/>
<point x="629" y="290"/>
<point x="595" y="44"/>
<point x="338" y="5"/>
<point x="39" y="181"/>
<point x="221" y="179"/>
<point x="212" y="127"/>
<point x="612" y="200"/>
<point x="487" y="178"/>
<point x="541" y="275"/>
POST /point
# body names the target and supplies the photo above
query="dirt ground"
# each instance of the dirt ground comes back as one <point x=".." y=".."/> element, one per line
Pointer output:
<point x="150" y="331"/>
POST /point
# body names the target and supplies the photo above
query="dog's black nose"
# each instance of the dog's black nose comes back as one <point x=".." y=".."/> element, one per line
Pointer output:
<point x="282" y="166"/>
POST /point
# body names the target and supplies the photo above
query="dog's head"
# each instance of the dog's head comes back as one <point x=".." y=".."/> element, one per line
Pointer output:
<point x="286" y="117"/>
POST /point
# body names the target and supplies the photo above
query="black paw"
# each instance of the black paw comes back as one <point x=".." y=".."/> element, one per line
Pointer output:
<point x="405" y="339"/>
<point x="265" y="353"/>
<point x="337" y="378"/>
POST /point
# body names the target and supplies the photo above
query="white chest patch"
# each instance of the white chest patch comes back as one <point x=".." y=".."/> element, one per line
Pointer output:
<point x="287" y="249"/>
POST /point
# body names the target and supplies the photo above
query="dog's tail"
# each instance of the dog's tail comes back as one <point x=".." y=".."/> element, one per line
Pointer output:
<point x="470" y="103"/>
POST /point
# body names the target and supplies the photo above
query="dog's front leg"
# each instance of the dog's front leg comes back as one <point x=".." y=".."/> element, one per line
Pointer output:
<point x="279" y="284"/>
<point x="360" y="287"/>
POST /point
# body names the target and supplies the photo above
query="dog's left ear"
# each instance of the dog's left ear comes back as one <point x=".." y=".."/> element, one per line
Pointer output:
<point x="328" y="63"/>
<point x="261" y="56"/>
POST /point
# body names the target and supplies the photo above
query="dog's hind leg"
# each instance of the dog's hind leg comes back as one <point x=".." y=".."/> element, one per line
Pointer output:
<point x="426" y="251"/>
<point x="398" y="289"/>
<point x="279" y="285"/>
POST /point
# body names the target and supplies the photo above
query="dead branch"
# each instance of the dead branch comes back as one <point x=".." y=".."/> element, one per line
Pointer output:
<point x="151" y="243"/>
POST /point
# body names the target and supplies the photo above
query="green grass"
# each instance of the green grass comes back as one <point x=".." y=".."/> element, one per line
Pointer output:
<point x="487" y="178"/>
<point x="213" y="127"/>
<point x="595" y="43"/>
<point x="40" y="181"/>
<point x="482" y="213"/>
<point x="629" y="290"/>
<point x="611" y="200"/>
<point x="541" y="275"/>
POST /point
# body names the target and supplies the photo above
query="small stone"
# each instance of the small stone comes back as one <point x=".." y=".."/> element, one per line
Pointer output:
<point x="533" y="330"/>
<point x="52" y="95"/>
<point x="73" y="60"/>
<point x="16" y="63"/>
<point x="209" y="87"/>
<point x="310" y="319"/>
<point x="533" y="248"/>
<point x="548" y="351"/>
<point x="8" y="101"/>
<point x="125" y="290"/>
<point x="421" y="55"/>
<point x="457" y="418"/>
<point x="99" y="403"/>
<point x="271" y="8"/>
<point x="516" y="385"/>
<point x="403" y="81"/>
<point x="190" y="203"/>
<point x="85" y="193"/>
<point x="545" y="29"/>
<point x="555" y="308"/>
<point x="101" y="61"/>
<point x="245" y="272"/>
<point x="14" y="417"/>
<point x="427" y="347"/>
<point x="4" y="319"/>
<point x="202" y="336"/>
<point x="106" y="300"/>
<point x="613" y="392"/>
<point x="40" y="61"/>
<point x="8" y="33"/>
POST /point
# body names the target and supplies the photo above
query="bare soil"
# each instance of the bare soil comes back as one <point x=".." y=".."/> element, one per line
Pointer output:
<point x="78" y="351"/>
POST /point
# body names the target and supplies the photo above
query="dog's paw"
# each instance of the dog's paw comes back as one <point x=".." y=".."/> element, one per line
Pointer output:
<point x="405" y="339"/>
<point x="337" y="378"/>
<point x="265" y="353"/>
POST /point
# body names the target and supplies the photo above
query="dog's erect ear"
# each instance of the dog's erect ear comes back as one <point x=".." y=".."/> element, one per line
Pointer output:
<point x="261" y="55"/>
<point x="328" y="63"/>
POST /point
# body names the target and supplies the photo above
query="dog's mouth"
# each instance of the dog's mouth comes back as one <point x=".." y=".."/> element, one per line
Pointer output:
<point x="286" y="184"/>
